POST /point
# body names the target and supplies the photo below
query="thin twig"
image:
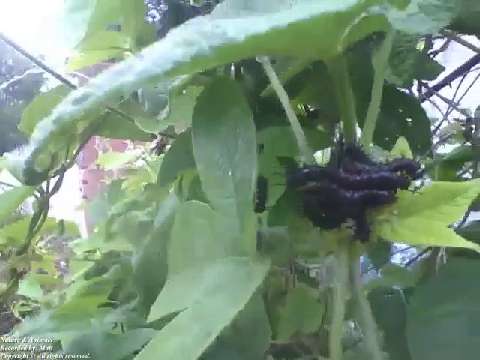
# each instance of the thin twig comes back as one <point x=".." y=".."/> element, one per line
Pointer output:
<point x="461" y="41"/>
<point x="63" y="79"/>
<point x="418" y="256"/>
<point x="447" y="80"/>
<point x="448" y="102"/>
<point x="37" y="62"/>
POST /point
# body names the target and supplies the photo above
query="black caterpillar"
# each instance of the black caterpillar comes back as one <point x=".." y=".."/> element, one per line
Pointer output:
<point x="348" y="186"/>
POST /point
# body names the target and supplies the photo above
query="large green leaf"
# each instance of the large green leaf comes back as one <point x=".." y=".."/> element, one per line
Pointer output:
<point x="423" y="218"/>
<point x="443" y="314"/>
<point x="389" y="309"/>
<point x="209" y="41"/>
<point x="206" y="311"/>
<point x="150" y="260"/>
<point x="224" y="148"/>
<point x="197" y="238"/>
<point x="11" y="199"/>
<point x="247" y="337"/>
<point x="186" y="288"/>
<point x="302" y="314"/>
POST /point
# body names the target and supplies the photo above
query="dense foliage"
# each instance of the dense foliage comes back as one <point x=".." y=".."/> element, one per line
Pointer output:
<point x="180" y="266"/>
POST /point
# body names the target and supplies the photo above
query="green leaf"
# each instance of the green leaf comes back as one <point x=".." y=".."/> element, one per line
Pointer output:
<point x="393" y="275"/>
<point x="302" y="313"/>
<point x="466" y="20"/>
<point x="206" y="310"/>
<point x="402" y="115"/>
<point x="185" y="289"/>
<point x="224" y="148"/>
<point x="446" y="168"/>
<point x="10" y="200"/>
<point x="181" y="102"/>
<point x="77" y="307"/>
<point x="198" y="238"/>
<point x="30" y="287"/>
<point x="177" y="160"/>
<point x="41" y="107"/>
<point x="76" y="16"/>
<point x="408" y="63"/>
<point x="114" y="126"/>
<point x="443" y="314"/>
<point x="275" y="142"/>
<point x="103" y="345"/>
<point x="113" y="160"/>
<point x="150" y="260"/>
<point x="423" y="218"/>
<point x="422" y="16"/>
<point x="135" y="25"/>
<point x="401" y="149"/>
<point x="91" y="57"/>
<point x="247" y="337"/>
<point x="379" y="253"/>
<point x="470" y="231"/>
<point x="389" y="310"/>
<point x="206" y="42"/>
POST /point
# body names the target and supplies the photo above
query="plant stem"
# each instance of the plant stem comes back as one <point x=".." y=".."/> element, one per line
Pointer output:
<point x="282" y="95"/>
<point x="380" y="63"/>
<point x="338" y="69"/>
<point x="367" y="321"/>
<point x="339" y="300"/>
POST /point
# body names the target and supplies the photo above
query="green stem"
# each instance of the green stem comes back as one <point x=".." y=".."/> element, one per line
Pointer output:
<point x="282" y="95"/>
<point x="338" y="69"/>
<point x="380" y="64"/>
<point x="339" y="301"/>
<point x="367" y="321"/>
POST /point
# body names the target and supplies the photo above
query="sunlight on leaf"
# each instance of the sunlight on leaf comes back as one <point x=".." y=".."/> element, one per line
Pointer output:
<point x="423" y="218"/>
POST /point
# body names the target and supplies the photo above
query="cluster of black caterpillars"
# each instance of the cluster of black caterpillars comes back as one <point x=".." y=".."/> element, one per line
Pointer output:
<point x="349" y="185"/>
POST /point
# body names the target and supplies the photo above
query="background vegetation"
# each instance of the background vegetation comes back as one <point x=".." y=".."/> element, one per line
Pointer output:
<point x="180" y="266"/>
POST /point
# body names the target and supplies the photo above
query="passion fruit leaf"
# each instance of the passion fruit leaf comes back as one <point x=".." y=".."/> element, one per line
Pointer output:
<point x="205" y="42"/>
<point x="11" y="199"/>
<point x="197" y="238"/>
<point x="206" y="311"/>
<point x="424" y="217"/>
<point x="443" y="312"/>
<point x="224" y="148"/>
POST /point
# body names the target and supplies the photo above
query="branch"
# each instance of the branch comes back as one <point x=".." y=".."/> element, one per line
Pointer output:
<point x="447" y="80"/>
<point x="339" y="301"/>
<point x="367" y="321"/>
<point x="282" y="95"/>
<point x="418" y="256"/>
<point x="380" y="64"/>
<point x="447" y="101"/>
<point x="338" y="69"/>
<point x="461" y="41"/>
